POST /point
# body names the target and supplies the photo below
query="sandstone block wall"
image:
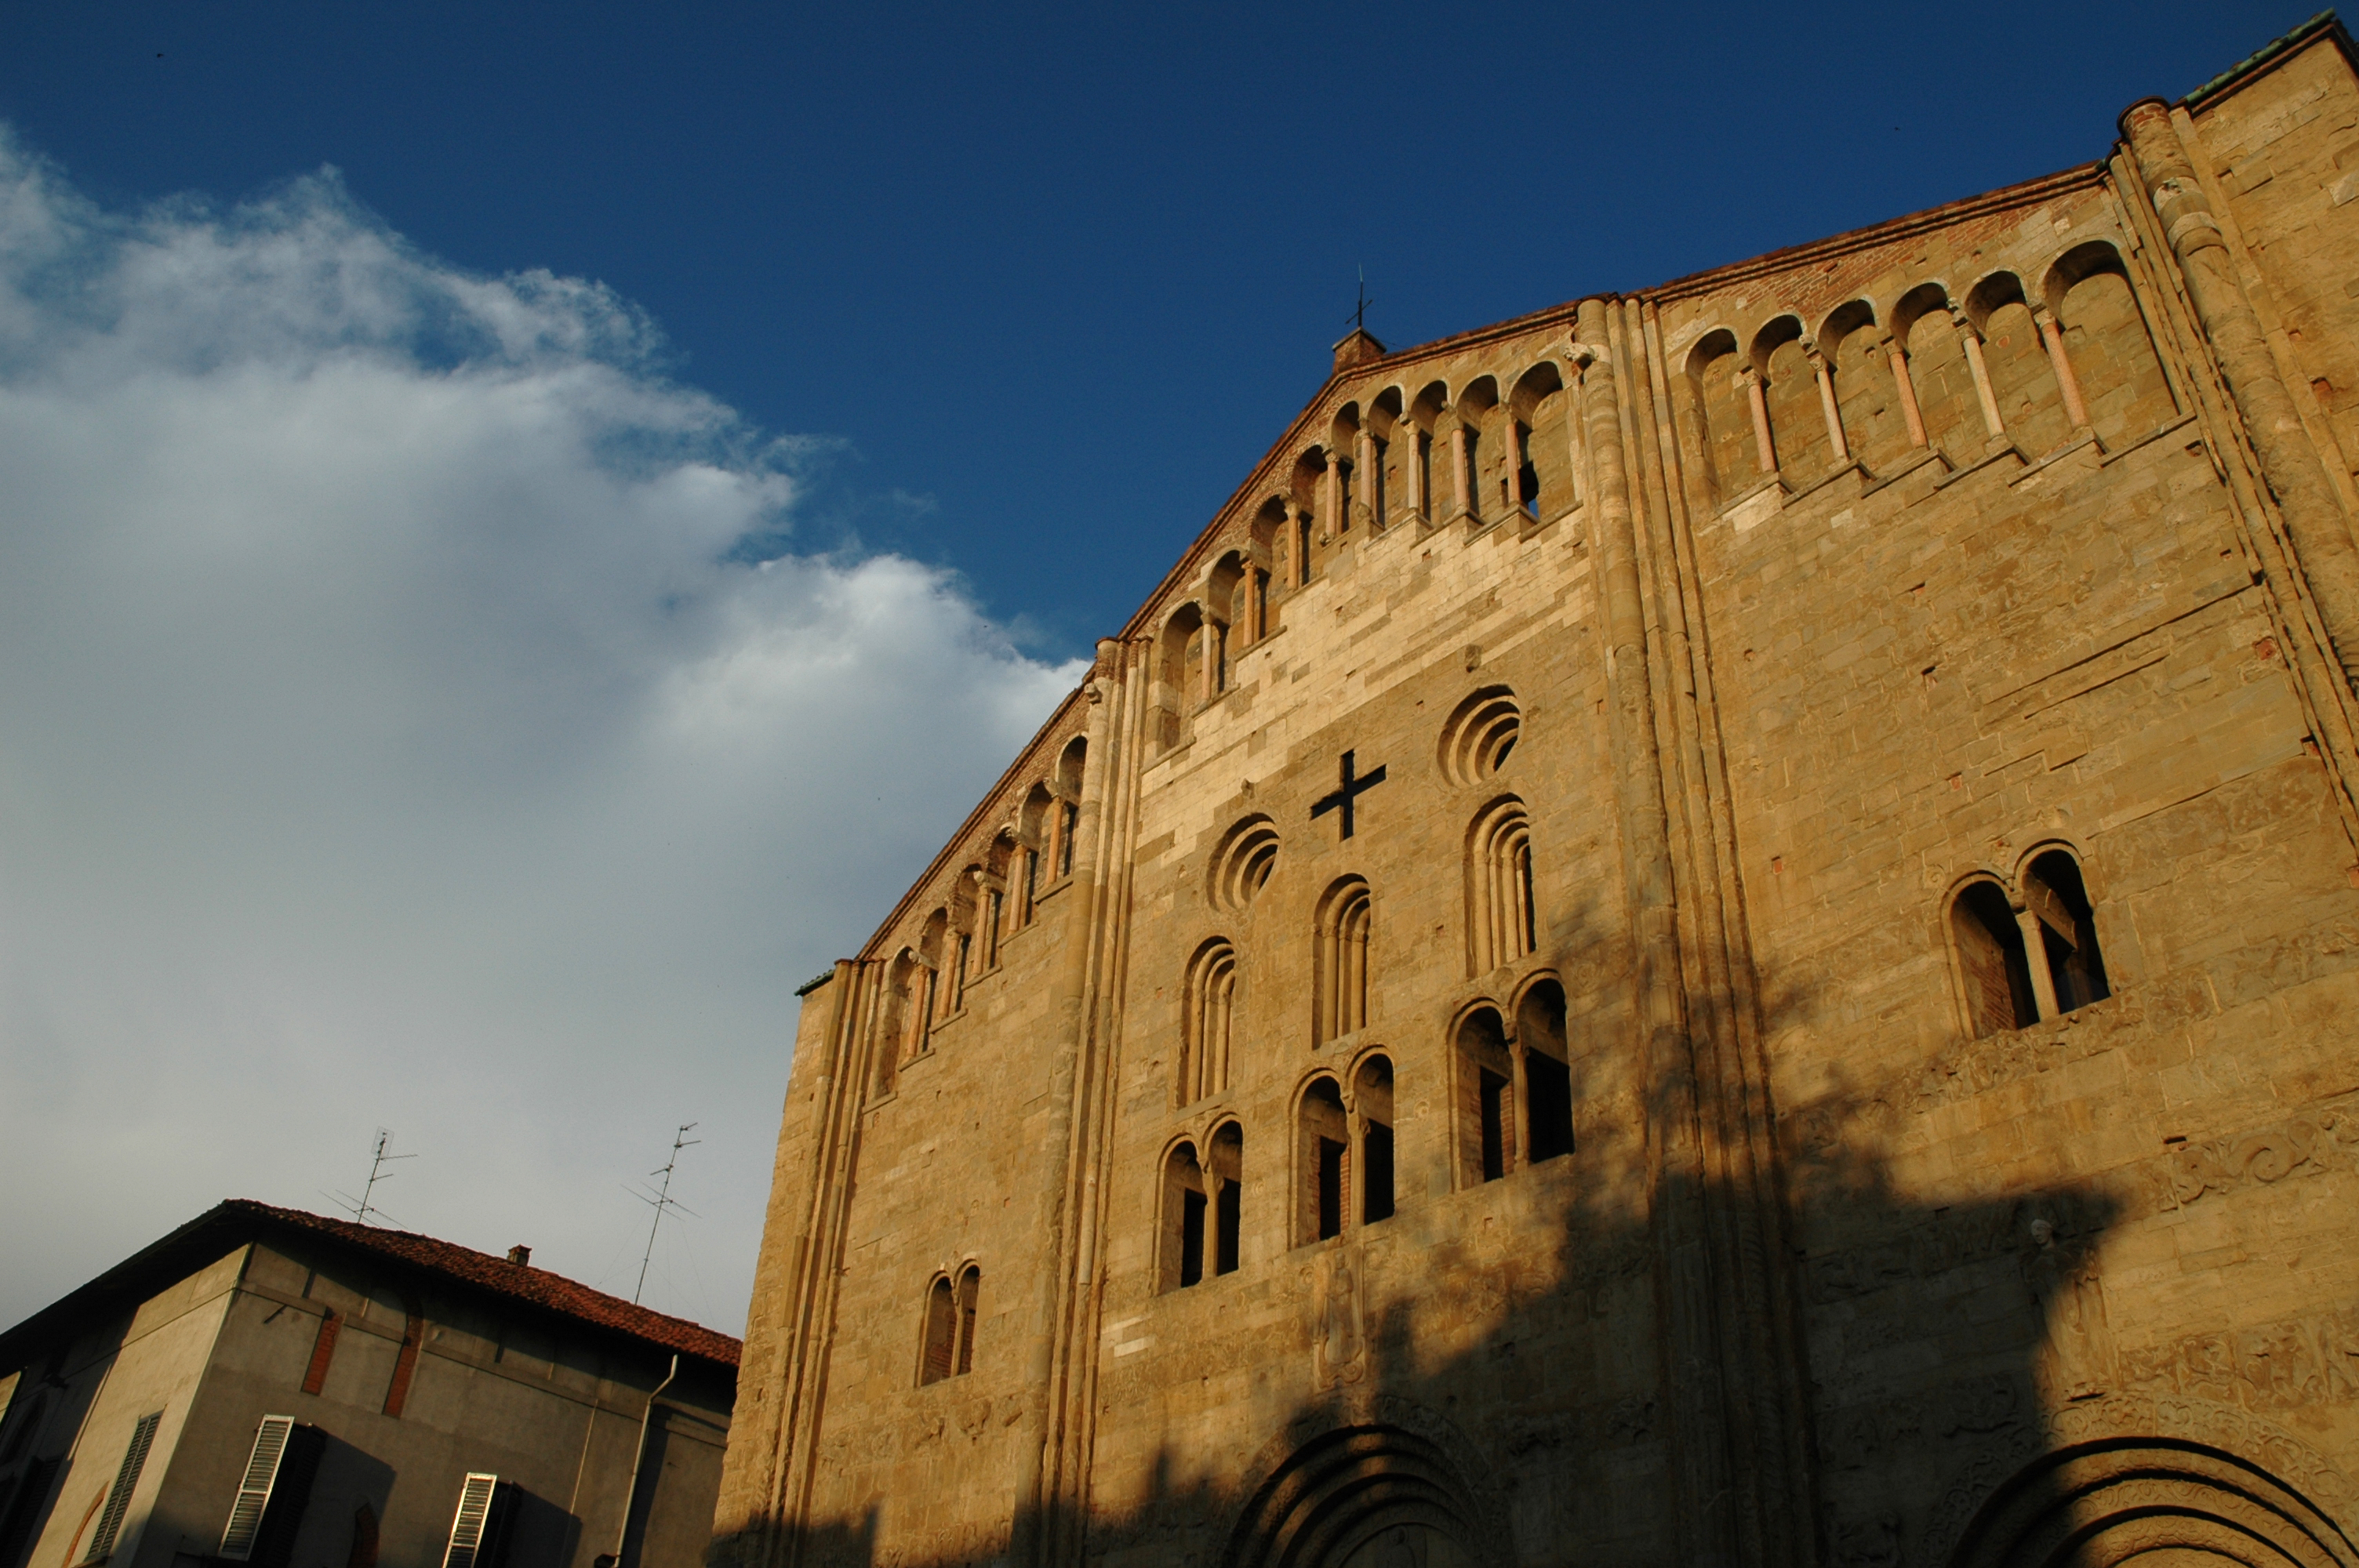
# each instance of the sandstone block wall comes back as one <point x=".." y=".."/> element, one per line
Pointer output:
<point x="1624" y="1145"/>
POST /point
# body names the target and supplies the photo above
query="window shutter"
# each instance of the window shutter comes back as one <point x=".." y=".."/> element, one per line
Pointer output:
<point x="118" y="1501"/>
<point x="474" y="1512"/>
<point x="254" y="1491"/>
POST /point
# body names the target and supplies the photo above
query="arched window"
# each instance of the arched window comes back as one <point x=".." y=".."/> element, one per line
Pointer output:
<point x="2053" y="892"/>
<point x="993" y="913"/>
<point x="1501" y="923"/>
<point x="1992" y="960"/>
<point x="1547" y="1073"/>
<point x="949" y="1326"/>
<point x="1940" y="382"/>
<point x="929" y="999"/>
<point x="1544" y="487"/>
<point x="1185" y="1206"/>
<point x="1485" y="1099"/>
<point x="1323" y="1145"/>
<point x="2024" y="381"/>
<point x="1202" y="1206"/>
<point x="1725" y="461"/>
<point x="1178" y="687"/>
<point x="1209" y="1008"/>
<point x="1225" y="1171"/>
<point x="1372" y="1105"/>
<point x="2104" y="338"/>
<point x="1480" y="450"/>
<point x="1341" y="1002"/>
<point x="941" y="1332"/>
<point x="1034" y="825"/>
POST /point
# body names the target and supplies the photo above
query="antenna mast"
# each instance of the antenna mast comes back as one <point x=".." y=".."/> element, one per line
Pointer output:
<point x="360" y="1207"/>
<point x="662" y="1201"/>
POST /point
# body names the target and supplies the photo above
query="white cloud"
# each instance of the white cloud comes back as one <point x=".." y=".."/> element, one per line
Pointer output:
<point x="389" y="734"/>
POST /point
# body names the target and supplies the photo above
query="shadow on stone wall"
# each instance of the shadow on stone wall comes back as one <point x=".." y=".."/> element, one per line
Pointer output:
<point x="1966" y="1404"/>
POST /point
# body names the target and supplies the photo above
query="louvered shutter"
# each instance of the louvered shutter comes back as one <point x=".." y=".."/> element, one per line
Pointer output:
<point x="253" y="1491"/>
<point x="127" y="1479"/>
<point x="474" y="1512"/>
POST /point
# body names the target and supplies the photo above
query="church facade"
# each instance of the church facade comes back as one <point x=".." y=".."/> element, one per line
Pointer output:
<point x="1715" y="925"/>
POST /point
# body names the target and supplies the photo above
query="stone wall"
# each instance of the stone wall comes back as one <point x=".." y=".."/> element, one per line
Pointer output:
<point x="1986" y="566"/>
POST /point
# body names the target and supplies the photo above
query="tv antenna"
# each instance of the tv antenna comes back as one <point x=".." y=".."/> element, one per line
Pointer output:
<point x="1360" y="316"/>
<point x="662" y="1200"/>
<point x="362" y="1206"/>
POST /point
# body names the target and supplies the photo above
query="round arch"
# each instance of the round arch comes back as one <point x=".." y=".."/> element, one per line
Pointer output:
<point x="1334" y="1492"/>
<point x="2151" y="1499"/>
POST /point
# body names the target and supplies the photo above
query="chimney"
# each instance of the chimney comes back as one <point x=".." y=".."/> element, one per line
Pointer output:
<point x="520" y="1256"/>
<point x="1357" y="349"/>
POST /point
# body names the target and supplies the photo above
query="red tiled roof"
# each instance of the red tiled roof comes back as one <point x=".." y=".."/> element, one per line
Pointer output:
<point x="497" y="1276"/>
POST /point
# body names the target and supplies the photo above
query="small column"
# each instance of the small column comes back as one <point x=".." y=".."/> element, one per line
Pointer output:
<point x="1520" y="1128"/>
<point x="2051" y="336"/>
<point x="1216" y="652"/>
<point x="2035" y="955"/>
<point x="1827" y="402"/>
<point x="1765" y="451"/>
<point x="1514" y="496"/>
<point x="1460" y="473"/>
<point x="1363" y="468"/>
<point x="1331" y="496"/>
<point x="1419" y="443"/>
<point x="1297" y="534"/>
<point x="1906" y="387"/>
<point x="1972" y="341"/>
<point x="1213" y="1182"/>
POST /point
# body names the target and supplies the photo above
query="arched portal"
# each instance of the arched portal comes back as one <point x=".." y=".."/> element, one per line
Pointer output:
<point x="2157" y="1502"/>
<point x="1370" y="1496"/>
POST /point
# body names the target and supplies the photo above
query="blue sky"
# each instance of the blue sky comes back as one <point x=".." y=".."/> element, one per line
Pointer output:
<point x="524" y="526"/>
<point x="1057" y="275"/>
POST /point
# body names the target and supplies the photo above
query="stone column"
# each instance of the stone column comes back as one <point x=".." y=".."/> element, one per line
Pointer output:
<point x="1972" y="341"/>
<point x="1060" y="1201"/>
<point x="2035" y="959"/>
<point x="2321" y="533"/>
<point x="1418" y="443"/>
<point x="1827" y="402"/>
<point x="1331" y="494"/>
<point x="1216" y="653"/>
<point x="1764" y="451"/>
<point x="2052" y="337"/>
<point x="1515" y="440"/>
<point x="1693" y="1390"/>
<point x="1297" y="539"/>
<point x="1461" y="474"/>
<point x="1906" y="387"/>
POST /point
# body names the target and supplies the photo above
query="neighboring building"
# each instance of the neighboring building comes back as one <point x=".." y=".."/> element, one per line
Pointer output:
<point x="267" y="1387"/>
<point x="1713" y="926"/>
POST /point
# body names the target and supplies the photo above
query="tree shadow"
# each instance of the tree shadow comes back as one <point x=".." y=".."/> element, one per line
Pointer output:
<point x="1497" y="1374"/>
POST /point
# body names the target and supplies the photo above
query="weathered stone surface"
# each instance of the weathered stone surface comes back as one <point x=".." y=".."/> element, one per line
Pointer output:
<point x="1782" y="681"/>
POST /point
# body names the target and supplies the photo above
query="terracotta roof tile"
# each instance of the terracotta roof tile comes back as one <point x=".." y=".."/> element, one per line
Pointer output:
<point x="497" y="1276"/>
